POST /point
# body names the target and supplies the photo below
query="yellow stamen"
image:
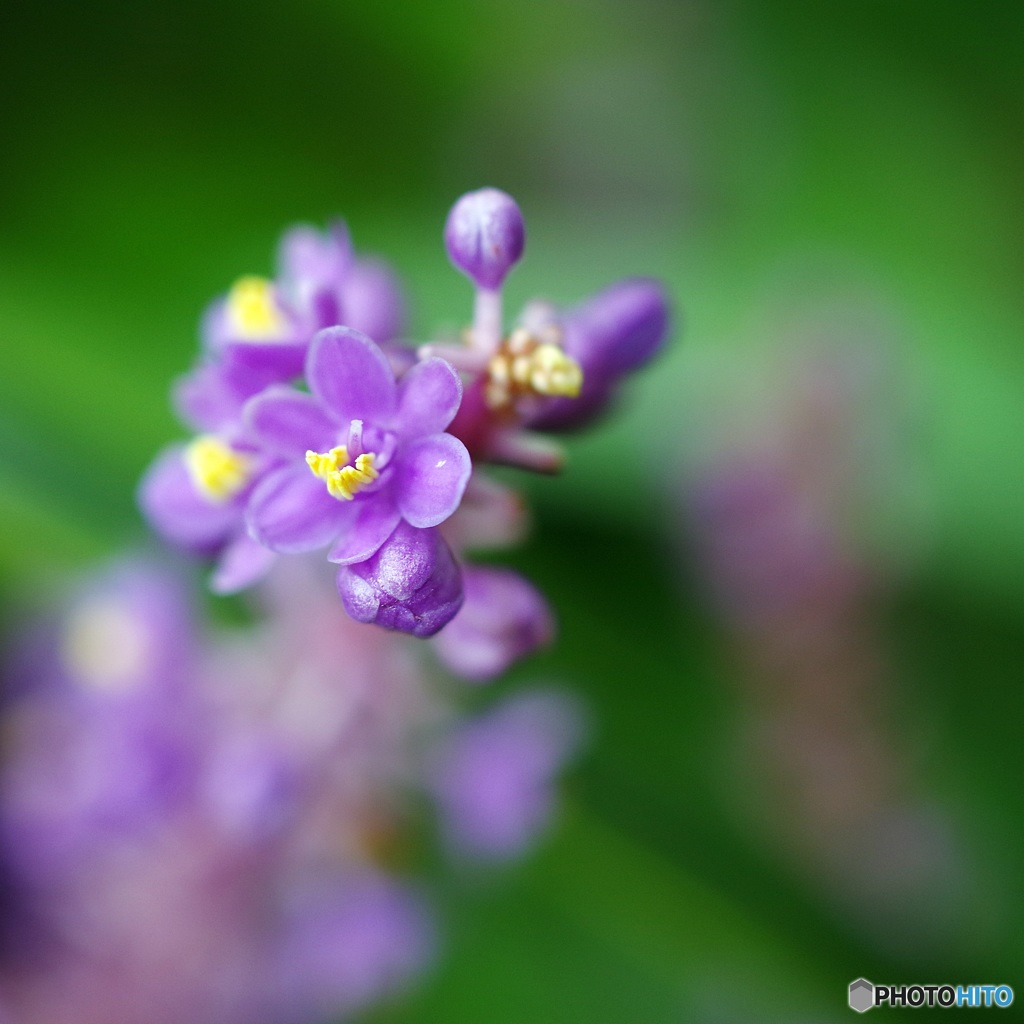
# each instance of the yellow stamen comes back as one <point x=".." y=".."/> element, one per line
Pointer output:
<point x="253" y="309"/>
<point x="216" y="469"/>
<point x="344" y="482"/>
<point x="322" y="464"/>
<point x="525" y="365"/>
<point x="552" y="372"/>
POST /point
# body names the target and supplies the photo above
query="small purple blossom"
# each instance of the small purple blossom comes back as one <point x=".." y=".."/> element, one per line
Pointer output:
<point x="359" y="455"/>
<point x="609" y="335"/>
<point x="100" y="735"/>
<point x="555" y="370"/>
<point x="195" y="495"/>
<point x="494" y="781"/>
<point x="350" y="943"/>
<point x="259" y="333"/>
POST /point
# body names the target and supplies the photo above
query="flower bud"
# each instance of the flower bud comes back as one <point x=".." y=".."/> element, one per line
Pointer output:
<point x="484" y="236"/>
<point x="412" y="584"/>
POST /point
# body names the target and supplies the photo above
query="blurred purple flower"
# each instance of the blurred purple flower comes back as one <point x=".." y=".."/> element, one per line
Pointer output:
<point x="195" y="495"/>
<point x="260" y="331"/>
<point x="494" y="780"/>
<point x="609" y="335"/>
<point x="350" y="943"/>
<point x="101" y="730"/>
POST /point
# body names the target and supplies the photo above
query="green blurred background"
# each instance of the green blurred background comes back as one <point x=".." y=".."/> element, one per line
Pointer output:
<point x="767" y="160"/>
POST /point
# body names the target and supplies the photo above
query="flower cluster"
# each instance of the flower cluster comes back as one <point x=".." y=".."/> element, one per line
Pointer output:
<point x="210" y="829"/>
<point x="319" y="430"/>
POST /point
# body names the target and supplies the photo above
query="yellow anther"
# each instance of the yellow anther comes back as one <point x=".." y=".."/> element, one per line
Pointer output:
<point x="343" y="481"/>
<point x="216" y="469"/>
<point x="323" y="464"/>
<point x="552" y="372"/>
<point x="526" y="365"/>
<point x="254" y="310"/>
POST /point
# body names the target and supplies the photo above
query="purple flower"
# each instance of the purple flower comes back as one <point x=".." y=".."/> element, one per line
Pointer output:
<point x="411" y="584"/>
<point x="360" y="454"/>
<point x="555" y="370"/>
<point x="503" y="619"/>
<point x="194" y="495"/>
<point x="611" y="334"/>
<point x="255" y="330"/>
<point x="349" y="944"/>
<point x="485" y="236"/>
<point x="260" y="331"/>
<point x="100" y="737"/>
<point x="494" y="780"/>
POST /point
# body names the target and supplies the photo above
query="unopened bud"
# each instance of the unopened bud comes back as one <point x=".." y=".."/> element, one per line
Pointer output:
<point x="484" y="235"/>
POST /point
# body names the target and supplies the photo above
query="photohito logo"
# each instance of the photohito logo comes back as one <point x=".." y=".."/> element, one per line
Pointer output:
<point x="864" y="995"/>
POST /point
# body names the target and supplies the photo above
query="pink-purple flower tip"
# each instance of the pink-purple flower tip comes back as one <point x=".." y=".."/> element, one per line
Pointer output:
<point x="484" y="235"/>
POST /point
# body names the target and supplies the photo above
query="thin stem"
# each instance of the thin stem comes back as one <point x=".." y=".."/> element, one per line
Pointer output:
<point x="486" y="333"/>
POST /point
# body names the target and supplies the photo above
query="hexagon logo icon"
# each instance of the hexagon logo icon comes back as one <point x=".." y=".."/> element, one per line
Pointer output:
<point x="862" y="995"/>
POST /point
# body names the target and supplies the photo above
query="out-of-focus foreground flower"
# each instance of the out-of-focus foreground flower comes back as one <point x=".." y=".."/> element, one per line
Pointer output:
<point x="208" y="829"/>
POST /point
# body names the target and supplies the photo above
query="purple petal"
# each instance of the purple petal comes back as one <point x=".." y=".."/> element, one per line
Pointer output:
<point x="243" y="563"/>
<point x="376" y="517"/>
<point x="495" y="780"/>
<point x="619" y="328"/>
<point x="560" y="414"/>
<point x="433" y="474"/>
<point x="290" y="423"/>
<point x="428" y="398"/>
<point x="347" y="944"/>
<point x="351" y="376"/>
<point x="611" y="334"/>
<point x="178" y="512"/>
<point x="277" y="361"/>
<point x="207" y="400"/>
<point x="310" y="259"/>
<point x="290" y="511"/>
<point x="372" y="300"/>
<point x="503" y="618"/>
